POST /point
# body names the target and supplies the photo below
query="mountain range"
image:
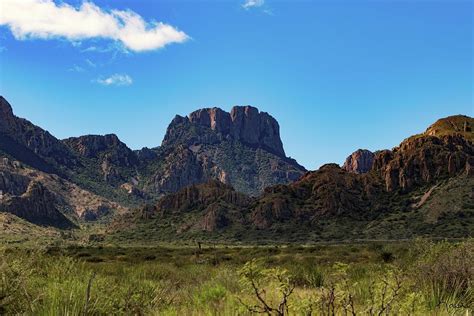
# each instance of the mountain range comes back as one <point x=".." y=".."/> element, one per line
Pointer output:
<point x="225" y="175"/>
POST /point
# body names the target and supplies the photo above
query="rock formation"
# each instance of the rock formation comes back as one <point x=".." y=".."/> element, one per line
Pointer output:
<point x="37" y="205"/>
<point x="425" y="158"/>
<point x="244" y="123"/>
<point x="360" y="161"/>
<point x="110" y="154"/>
<point x="241" y="148"/>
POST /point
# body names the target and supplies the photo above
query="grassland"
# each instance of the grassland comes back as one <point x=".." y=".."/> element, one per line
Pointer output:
<point x="404" y="278"/>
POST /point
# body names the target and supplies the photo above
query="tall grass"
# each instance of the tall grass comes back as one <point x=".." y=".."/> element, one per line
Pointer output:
<point x="420" y="278"/>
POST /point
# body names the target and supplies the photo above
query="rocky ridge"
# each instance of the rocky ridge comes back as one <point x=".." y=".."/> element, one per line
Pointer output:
<point x="397" y="185"/>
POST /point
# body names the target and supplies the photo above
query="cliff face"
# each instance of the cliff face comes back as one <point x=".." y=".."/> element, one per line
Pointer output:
<point x="360" y="161"/>
<point x="241" y="148"/>
<point x="245" y="124"/>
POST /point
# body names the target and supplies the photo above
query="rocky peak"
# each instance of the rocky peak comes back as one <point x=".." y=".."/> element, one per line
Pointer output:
<point x="91" y="146"/>
<point x="5" y="108"/>
<point x="30" y="143"/>
<point x="243" y="123"/>
<point x="360" y="161"/>
<point x="110" y="152"/>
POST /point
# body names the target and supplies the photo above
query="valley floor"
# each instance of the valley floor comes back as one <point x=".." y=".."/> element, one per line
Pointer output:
<point x="403" y="278"/>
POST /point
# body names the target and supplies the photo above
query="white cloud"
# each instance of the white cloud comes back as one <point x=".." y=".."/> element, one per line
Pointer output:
<point x="116" y="80"/>
<point x="45" y="19"/>
<point x="253" y="4"/>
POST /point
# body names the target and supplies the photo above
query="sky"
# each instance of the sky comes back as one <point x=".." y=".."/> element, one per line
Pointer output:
<point x="337" y="75"/>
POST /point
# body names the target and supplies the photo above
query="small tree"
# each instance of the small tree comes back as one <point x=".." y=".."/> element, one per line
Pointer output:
<point x="256" y="278"/>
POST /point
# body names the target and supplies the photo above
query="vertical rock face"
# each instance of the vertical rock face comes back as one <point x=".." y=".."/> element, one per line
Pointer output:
<point x="215" y="118"/>
<point x="360" y="161"/>
<point x="243" y="123"/>
<point x="241" y="148"/>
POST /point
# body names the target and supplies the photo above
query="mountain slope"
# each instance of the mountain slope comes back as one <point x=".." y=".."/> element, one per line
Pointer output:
<point x="423" y="187"/>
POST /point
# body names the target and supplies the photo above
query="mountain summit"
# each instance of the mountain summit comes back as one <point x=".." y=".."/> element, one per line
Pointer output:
<point x="244" y="123"/>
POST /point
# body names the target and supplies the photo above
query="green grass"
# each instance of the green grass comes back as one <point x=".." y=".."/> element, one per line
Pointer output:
<point x="434" y="278"/>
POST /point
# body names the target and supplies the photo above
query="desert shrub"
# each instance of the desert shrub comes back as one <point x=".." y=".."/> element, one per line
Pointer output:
<point x="387" y="256"/>
<point x="257" y="279"/>
<point x="307" y="275"/>
<point x="210" y="293"/>
<point x="444" y="272"/>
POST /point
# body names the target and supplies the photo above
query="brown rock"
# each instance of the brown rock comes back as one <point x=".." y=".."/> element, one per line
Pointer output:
<point x="37" y="205"/>
<point x="360" y="161"/>
<point x="422" y="159"/>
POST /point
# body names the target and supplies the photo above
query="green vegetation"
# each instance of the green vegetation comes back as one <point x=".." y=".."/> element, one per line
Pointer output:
<point x="412" y="278"/>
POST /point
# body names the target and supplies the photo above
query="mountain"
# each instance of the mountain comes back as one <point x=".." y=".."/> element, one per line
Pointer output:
<point x="423" y="187"/>
<point x="241" y="148"/>
<point x="225" y="175"/>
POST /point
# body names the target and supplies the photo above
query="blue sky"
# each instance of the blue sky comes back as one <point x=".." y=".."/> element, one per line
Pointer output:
<point x="337" y="75"/>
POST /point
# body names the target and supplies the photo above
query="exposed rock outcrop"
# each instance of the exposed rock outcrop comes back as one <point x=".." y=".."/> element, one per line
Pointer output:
<point x="360" y="161"/>
<point x="37" y="205"/>
<point x="243" y="123"/>
<point x="423" y="159"/>
<point x="217" y="205"/>
<point x="330" y="191"/>
<point x="241" y="148"/>
<point x="60" y="195"/>
<point x="109" y="152"/>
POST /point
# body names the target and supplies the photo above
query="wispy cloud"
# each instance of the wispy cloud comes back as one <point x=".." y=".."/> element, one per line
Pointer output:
<point x="45" y="19"/>
<point x="2" y="49"/>
<point x="115" y="80"/>
<point x="77" y="68"/>
<point x="90" y="63"/>
<point x="248" y="4"/>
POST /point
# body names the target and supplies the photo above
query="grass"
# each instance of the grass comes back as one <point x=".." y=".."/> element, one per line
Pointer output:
<point x="409" y="278"/>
